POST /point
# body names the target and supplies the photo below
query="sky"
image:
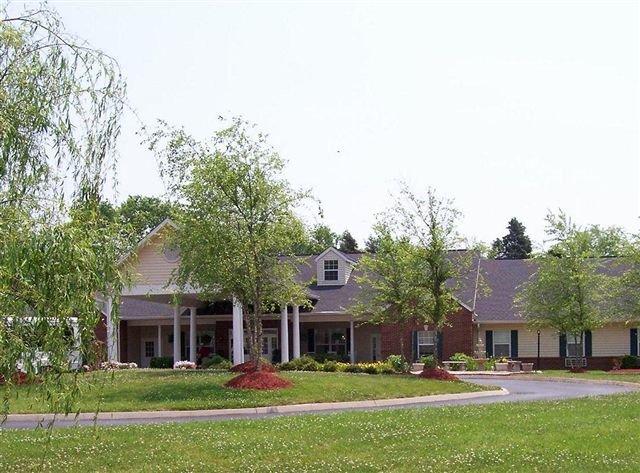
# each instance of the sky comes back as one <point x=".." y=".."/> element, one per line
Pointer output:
<point x="510" y="108"/>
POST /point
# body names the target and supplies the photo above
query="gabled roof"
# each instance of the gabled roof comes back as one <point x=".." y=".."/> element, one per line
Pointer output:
<point x="337" y="252"/>
<point x="167" y="222"/>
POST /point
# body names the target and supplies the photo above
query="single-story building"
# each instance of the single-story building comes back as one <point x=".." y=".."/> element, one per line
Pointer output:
<point x="151" y="327"/>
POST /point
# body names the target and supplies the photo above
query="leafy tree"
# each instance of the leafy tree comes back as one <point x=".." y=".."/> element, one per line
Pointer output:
<point x="373" y="243"/>
<point x="514" y="245"/>
<point x="60" y="107"/>
<point x="347" y="243"/>
<point x="395" y="287"/>
<point x="238" y="230"/>
<point x="570" y="290"/>
<point x="319" y="238"/>
<point x="426" y="230"/>
<point x="141" y="214"/>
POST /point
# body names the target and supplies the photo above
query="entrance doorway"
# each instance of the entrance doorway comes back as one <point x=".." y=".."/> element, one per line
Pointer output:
<point x="147" y="351"/>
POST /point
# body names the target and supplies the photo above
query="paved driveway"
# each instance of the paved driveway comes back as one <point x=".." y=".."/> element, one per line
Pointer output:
<point x="518" y="390"/>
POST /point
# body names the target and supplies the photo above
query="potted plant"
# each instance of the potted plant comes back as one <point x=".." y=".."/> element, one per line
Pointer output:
<point x="502" y="364"/>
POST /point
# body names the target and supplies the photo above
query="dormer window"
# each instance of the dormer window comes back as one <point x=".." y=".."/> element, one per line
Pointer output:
<point x="331" y="270"/>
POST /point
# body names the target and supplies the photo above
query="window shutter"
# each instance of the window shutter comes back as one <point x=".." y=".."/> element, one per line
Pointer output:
<point x="488" y="342"/>
<point x="563" y="345"/>
<point x="441" y="345"/>
<point x="514" y="344"/>
<point x="588" y="350"/>
<point x="634" y="341"/>
<point x="414" y="345"/>
<point x="311" y="340"/>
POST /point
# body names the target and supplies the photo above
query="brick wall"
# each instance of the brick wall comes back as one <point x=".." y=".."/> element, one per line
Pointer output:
<point x="458" y="337"/>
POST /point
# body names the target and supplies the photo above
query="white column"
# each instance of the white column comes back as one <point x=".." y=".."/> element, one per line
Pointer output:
<point x="112" y="331"/>
<point x="296" y="331"/>
<point x="352" y="344"/>
<point x="176" y="333"/>
<point x="192" y="334"/>
<point x="159" y="352"/>
<point x="238" y="333"/>
<point x="284" y="335"/>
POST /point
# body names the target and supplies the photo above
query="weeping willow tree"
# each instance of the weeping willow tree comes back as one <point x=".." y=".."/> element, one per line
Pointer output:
<point x="60" y="105"/>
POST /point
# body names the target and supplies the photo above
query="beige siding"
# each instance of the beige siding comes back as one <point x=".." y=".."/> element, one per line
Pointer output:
<point x="612" y="340"/>
<point x="151" y="266"/>
<point x="343" y="270"/>
<point x="528" y="340"/>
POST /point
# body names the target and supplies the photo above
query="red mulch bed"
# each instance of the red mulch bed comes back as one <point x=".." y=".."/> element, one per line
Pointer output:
<point x="258" y="380"/>
<point x="437" y="373"/>
<point x="249" y="366"/>
<point x="20" y="378"/>
<point x="577" y="370"/>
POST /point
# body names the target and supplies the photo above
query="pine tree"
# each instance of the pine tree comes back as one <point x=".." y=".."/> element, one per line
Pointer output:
<point x="348" y="244"/>
<point x="514" y="245"/>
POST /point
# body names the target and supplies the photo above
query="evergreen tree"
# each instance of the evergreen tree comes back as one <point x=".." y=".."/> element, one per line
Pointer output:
<point x="514" y="245"/>
<point x="347" y="243"/>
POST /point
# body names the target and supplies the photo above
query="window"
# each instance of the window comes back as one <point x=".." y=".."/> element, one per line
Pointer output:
<point x="501" y="343"/>
<point x="331" y="341"/>
<point x="171" y="254"/>
<point x="573" y="346"/>
<point x="426" y="342"/>
<point x="331" y="270"/>
<point x="149" y="349"/>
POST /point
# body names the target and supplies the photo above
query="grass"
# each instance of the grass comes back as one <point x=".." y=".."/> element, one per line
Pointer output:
<point x="597" y="375"/>
<point x="146" y="390"/>
<point x="597" y="434"/>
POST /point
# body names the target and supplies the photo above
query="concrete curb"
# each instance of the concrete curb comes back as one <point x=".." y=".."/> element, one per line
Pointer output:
<point x="567" y="379"/>
<point x="249" y="411"/>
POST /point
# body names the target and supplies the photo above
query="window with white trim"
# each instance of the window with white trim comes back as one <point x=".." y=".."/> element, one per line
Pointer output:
<point x="502" y="343"/>
<point x="331" y="340"/>
<point x="426" y="342"/>
<point x="331" y="270"/>
<point x="149" y="349"/>
<point x="573" y="346"/>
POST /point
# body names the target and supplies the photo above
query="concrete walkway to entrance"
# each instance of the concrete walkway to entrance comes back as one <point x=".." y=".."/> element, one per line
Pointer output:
<point x="510" y="390"/>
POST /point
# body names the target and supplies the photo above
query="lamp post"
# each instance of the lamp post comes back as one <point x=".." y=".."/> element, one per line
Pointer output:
<point x="538" y="363"/>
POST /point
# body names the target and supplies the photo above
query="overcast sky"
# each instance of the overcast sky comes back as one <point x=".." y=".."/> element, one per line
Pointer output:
<point x="510" y="108"/>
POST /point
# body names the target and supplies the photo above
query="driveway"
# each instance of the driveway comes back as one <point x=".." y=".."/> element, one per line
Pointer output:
<point x="517" y="390"/>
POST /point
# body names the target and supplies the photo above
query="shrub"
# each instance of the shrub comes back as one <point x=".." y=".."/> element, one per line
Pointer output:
<point x="630" y="362"/>
<point x="385" y="368"/>
<point x="471" y="363"/>
<point x="304" y="363"/>
<point x="330" y="366"/>
<point x="352" y="368"/>
<point x="342" y="367"/>
<point x="398" y="363"/>
<point x="369" y="368"/>
<point x="161" y="362"/>
<point x="429" y="361"/>
<point x="216" y="362"/>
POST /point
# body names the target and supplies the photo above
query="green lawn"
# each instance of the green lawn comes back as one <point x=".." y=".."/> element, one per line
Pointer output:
<point x="598" y="434"/>
<point x="184" y="390"/>
<point x="596" y="374"/>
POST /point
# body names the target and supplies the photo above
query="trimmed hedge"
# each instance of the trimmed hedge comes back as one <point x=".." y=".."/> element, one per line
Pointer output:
<point x="306" y="363"/>
<point x="161" y="362"/>
<point x="630" y="362"/>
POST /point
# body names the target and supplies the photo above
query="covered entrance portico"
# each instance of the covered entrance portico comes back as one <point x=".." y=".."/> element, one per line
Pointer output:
<point x="200" y="329"/>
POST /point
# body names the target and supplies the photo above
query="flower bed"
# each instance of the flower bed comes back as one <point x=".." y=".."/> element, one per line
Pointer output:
<point x="306" y="363"/>
<point x="116" y="365"/>
<point x="184" y="365"/>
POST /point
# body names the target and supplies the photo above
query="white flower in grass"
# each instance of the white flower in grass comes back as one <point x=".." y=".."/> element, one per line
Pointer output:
<point x="184" y="365"/>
